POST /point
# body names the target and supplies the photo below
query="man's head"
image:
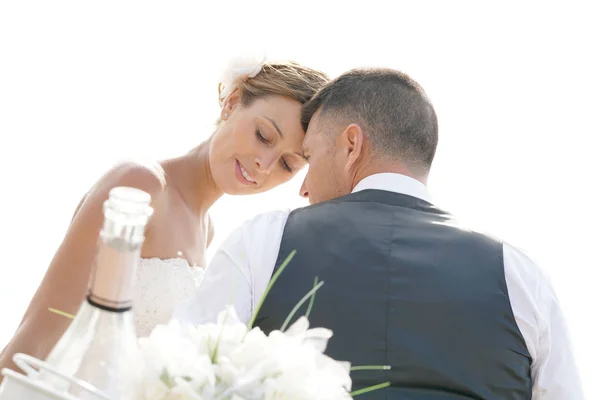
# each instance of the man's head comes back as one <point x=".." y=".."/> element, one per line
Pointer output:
<point x="364" y="122"/>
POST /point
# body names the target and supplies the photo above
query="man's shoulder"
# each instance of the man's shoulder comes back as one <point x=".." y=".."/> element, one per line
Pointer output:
<point x="522" y="264"/>
<point x="522" y="270"/>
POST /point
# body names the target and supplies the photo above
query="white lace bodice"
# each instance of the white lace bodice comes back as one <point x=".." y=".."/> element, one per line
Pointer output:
<point x="160" y="287"/>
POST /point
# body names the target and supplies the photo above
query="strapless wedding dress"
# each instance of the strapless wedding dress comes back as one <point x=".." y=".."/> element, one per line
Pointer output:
<point x="161" y="286"/>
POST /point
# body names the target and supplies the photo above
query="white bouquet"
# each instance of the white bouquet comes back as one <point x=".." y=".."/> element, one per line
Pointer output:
<point x="227" y="361"/>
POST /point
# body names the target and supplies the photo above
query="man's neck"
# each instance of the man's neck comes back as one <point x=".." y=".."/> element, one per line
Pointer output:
<point x="382" y="168"/>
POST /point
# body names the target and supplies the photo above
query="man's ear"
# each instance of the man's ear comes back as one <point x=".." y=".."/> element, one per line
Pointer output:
<point x="230" y="103"/>
<point x="353" y="144"/>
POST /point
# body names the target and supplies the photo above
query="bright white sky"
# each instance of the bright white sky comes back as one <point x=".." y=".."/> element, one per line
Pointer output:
<point x="83" y="85"/>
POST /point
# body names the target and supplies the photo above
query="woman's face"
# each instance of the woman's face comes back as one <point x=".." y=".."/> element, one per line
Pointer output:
<point x="257" y="147"/>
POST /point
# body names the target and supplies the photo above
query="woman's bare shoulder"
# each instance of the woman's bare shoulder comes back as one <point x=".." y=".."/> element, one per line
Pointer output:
<point x="146" y="176"/>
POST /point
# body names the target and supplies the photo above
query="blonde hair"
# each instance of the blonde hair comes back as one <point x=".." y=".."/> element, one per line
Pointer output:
<point x="287" y="79"/>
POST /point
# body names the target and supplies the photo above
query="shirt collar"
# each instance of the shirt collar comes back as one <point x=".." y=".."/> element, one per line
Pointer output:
<point x="397" y="183"/>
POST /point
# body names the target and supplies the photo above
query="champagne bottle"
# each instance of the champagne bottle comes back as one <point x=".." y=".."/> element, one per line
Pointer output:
<point x="100" y="345"/>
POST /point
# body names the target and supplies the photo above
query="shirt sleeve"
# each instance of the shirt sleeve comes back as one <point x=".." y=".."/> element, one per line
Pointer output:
<point x="543" y="326"/>
<point x="239" y="272"/>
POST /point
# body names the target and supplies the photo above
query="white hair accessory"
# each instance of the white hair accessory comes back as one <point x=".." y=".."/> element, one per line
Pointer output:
<point x="239" y="68"/>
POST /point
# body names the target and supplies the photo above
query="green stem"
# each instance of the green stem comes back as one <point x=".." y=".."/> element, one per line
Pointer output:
<point x="297" y="306"/>
<point x="369" y="389"/>
<point x="213" y="357"/>
<point x="64" y="314"/>
<point x="370" y="368"/>
<point x="312" y="298"/>
<point x="271" y="283"/>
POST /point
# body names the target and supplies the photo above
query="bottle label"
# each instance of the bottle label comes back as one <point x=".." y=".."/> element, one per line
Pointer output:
<point x="112" y="278"/>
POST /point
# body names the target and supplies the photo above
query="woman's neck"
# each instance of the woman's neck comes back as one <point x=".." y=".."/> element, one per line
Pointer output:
<point x="190" y="175"/>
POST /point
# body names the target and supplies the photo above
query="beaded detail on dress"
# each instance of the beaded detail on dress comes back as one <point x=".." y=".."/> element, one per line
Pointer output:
<point x="161" y="286"/>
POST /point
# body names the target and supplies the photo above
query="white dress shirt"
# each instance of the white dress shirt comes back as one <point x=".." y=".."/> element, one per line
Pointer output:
<point x="241" y="270"/>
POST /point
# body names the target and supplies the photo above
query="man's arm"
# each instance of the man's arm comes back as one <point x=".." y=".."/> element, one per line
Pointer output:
<point x="543" y="326"/>
<point x="239" y="272"/>
<point x="555" y="371"/>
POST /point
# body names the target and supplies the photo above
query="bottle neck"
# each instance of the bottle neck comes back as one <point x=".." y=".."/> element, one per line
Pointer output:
<point x="114" y="270"/>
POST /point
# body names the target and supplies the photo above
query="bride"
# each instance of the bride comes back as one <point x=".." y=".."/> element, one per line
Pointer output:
<point x="255" y="147"/>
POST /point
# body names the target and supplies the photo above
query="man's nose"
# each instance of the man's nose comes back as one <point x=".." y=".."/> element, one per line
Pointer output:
<point x="304" y="190"/>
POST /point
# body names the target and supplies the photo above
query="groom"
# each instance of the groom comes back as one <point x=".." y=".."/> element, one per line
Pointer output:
<point x="456" y="314"/>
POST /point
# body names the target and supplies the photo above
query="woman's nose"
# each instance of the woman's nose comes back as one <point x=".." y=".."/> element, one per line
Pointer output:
<point x="266" y="162"/>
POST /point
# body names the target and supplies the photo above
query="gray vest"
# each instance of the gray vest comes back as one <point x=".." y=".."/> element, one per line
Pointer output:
<point x="405" y="286"/>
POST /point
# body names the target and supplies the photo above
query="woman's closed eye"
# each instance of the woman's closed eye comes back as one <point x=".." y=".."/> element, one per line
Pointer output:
<point x="285" y="165"/>
<point x="263" y="139"/>
<point x="260" y="137"/>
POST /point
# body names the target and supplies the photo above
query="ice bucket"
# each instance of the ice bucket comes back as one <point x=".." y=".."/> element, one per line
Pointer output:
<point x="16" y="386"/>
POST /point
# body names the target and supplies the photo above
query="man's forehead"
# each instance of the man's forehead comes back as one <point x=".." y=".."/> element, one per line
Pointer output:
<point x="314" y="120"/>
<point x="313" y="131"/>
<point x="306" y="143"/>
<point x="319" y="129"/>
<point x="315" y="124"/>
